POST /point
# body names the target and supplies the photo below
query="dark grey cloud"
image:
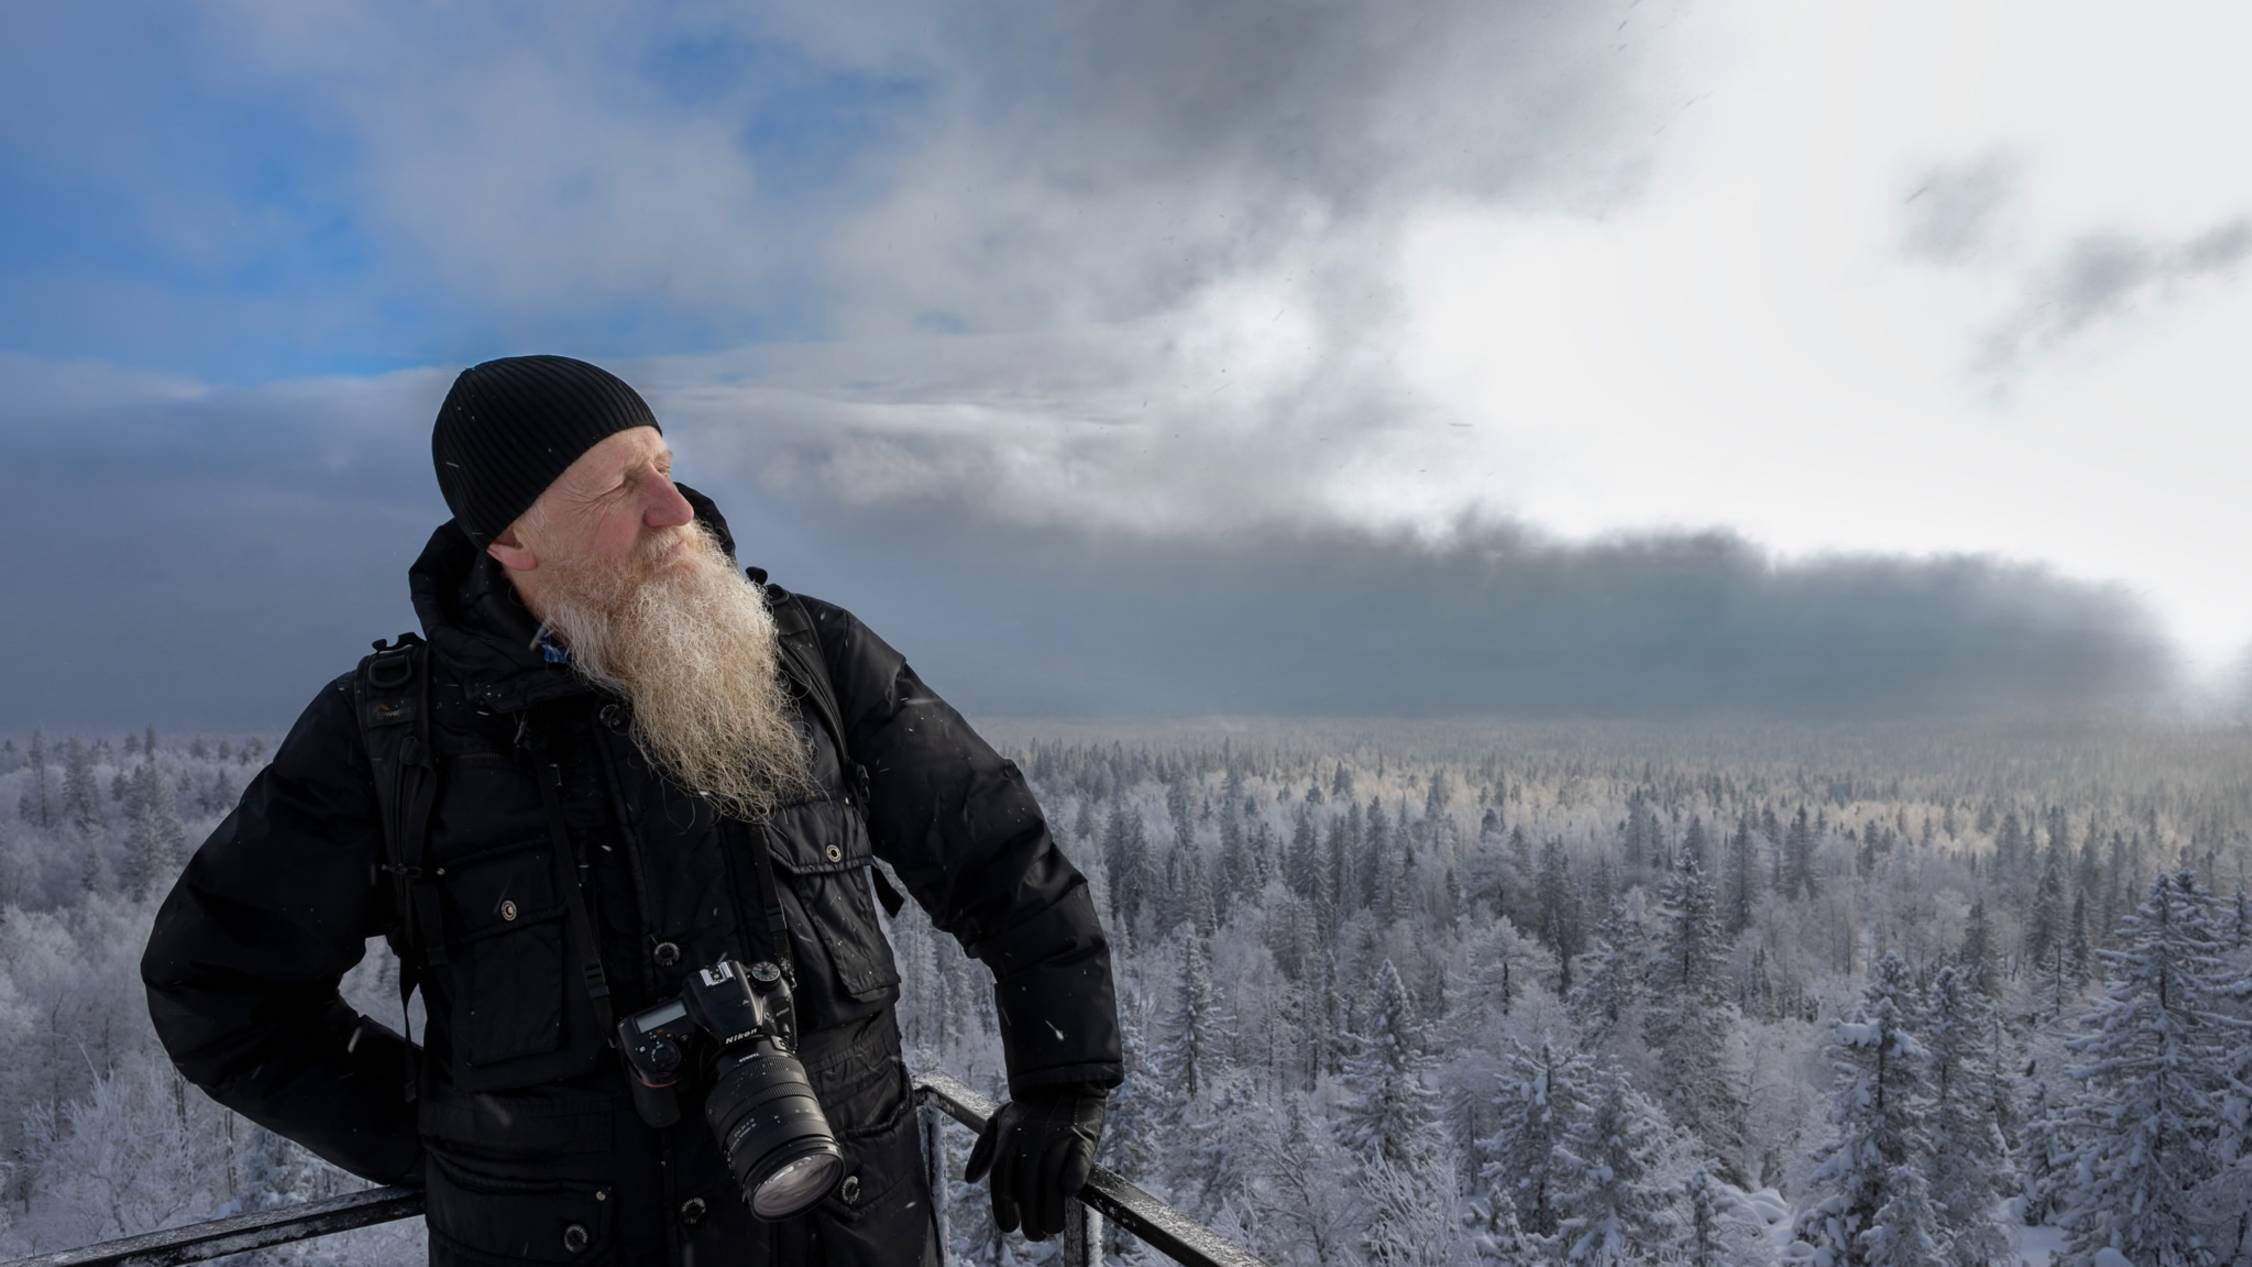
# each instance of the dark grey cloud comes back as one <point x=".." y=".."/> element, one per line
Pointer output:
<point x="1502" y="622"/>
<point x="224" y="559"/>
<point x="1100" y="162"/>
<point x="198" y="556"/>
<point x="2105" y="277"/>
<point x="1952" y="212"/>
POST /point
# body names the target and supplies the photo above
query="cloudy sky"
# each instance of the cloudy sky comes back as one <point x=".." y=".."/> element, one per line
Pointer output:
<point x="1608" y="358"/>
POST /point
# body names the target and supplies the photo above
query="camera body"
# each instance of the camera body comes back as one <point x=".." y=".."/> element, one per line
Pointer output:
<point x="739" y="1018"/>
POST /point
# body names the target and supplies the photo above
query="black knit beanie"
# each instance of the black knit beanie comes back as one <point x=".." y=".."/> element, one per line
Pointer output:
<point x="510" y="426"/>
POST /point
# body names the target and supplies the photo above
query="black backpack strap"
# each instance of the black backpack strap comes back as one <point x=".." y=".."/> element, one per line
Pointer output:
<point x="392" y="694"/>
<point x="549" y="775"/>
<point x="801" y="656"/>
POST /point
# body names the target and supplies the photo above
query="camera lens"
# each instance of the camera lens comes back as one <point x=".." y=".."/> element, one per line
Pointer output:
<point x="796" y="1185"/>
<point x="772" y="1131"/>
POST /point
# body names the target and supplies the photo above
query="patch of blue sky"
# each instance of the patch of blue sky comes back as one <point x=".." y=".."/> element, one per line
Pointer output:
<point x="158" y="202"/>
<point x="188" y="221"/>
<point x="808" y="129"/>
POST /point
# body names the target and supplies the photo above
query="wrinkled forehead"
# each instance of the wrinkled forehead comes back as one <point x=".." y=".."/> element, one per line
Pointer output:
<point x="616" y="454"/>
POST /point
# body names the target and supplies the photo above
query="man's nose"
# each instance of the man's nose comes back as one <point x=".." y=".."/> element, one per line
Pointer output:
<point x="670" y="508"/>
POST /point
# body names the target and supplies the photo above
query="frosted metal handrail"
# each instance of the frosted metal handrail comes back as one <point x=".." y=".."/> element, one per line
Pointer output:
<point x="198" y="1242"/>
<point x="939" y="1097"/>
<point x="1170" y="1232"/>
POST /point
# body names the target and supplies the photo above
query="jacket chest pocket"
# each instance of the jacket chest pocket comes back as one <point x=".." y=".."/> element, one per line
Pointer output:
<point x="821" y="861"/>
<point x="506" y="954"/>
<point x="484" y="796"/>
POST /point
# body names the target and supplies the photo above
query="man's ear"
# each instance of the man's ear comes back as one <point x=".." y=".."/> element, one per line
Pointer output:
<point x="510" y="550"/>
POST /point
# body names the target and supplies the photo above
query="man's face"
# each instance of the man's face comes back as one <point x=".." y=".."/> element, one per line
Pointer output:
<point x="613" y="562"/>
<point x="613" y="515"/>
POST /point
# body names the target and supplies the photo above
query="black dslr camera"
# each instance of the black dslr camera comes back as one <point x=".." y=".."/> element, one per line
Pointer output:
<point x="760" y="1106"/>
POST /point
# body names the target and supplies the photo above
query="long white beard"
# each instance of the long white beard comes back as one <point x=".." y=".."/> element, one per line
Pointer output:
<point x="690" y="642"/>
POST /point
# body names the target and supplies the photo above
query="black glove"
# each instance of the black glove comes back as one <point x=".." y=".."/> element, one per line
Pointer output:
<point x="1040" y="1148"/>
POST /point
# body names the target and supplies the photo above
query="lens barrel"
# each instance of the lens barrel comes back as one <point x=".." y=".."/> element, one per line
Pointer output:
<point x="771" y="1129"/>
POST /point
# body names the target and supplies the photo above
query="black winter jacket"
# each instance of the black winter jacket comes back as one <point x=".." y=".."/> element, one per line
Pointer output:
<point x="523" y="1128"/>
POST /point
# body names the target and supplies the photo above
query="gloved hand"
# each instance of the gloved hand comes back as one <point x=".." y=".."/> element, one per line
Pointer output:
<point x="1040" y="1148"/>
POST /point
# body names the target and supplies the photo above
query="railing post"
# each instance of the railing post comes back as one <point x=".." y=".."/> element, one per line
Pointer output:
<point x="934" y="1164"/>
<point x="1082" y="1235"/>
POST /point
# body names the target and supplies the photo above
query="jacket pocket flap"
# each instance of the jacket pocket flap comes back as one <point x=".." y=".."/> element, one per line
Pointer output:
<point x="830" y="837"/>
<point x="499" y="891"/>
<point x="486" y="1218"/>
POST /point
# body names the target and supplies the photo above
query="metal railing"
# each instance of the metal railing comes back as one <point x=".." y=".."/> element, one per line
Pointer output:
<point x="940" y="1098"/>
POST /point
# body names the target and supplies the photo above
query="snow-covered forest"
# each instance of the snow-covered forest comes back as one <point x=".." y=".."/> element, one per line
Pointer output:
<point x="1422" y="994"/>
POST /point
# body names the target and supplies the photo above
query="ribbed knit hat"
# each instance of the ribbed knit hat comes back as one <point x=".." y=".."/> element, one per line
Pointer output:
<point x="510" y="426"/>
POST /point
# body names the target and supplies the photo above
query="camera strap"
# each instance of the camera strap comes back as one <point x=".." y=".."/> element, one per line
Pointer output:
<point x="391" y="693"/>
<point x="549" y="775"/>
<point x="770" y="893"/>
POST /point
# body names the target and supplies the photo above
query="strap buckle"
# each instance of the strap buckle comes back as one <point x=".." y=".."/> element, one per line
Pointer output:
<point x="393" y="665"/>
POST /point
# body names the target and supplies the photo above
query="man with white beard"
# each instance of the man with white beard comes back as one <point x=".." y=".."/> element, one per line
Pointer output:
<point x="660" y="784"/>
<point x="663" y="618"/>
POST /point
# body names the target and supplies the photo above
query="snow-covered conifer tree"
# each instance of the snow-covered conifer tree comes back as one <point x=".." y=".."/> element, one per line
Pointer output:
<point x="1190" y="1051"/>
<point x="1798" y="858"/>
<point x="1414" y="1216"/>
<point x="1638" y="835"/>
<point x="1609" y="989"/>
<point x="1615" y="1199"/>
<point x="1389" y="1104"/>
<point x="154" y="833"/>
<point x="2044" y="925"/>
<point x="1195" y="888"/>
<point x="1113" y="852"/>
<point x="1968" y="1154"/>
<point x="1977" y="953"/>
<point x="1212" y="1149"/>
<point x="1307" y="1202"/>
<point x="1740" y="890"/>
<point x="37" y="804"/>
<point x="1718" y="1230"/>
<point x="2077" y="953"/>
<point x="2044" y="1156"/>
<point x="1904" y="1232"/>
<point x="1878" y="1111"/>
<point x="1375" y="863"/>
<point x="1558" y="908"/>
<point x="1691" y="1014"/>
<point x="82" y="804"/>
<point x="1301" y="863"/>
<point x="1540" y="1098"/>
<point x="1498" y="1239"/>
<point x="2151" y="1069"/>
<point x="1134" y="1114"/>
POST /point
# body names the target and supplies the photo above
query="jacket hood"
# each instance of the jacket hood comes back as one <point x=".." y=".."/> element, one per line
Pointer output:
<point x="474" y="621"/>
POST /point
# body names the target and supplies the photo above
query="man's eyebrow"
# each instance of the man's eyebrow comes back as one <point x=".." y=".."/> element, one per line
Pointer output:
<point x="662" y="461"/>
